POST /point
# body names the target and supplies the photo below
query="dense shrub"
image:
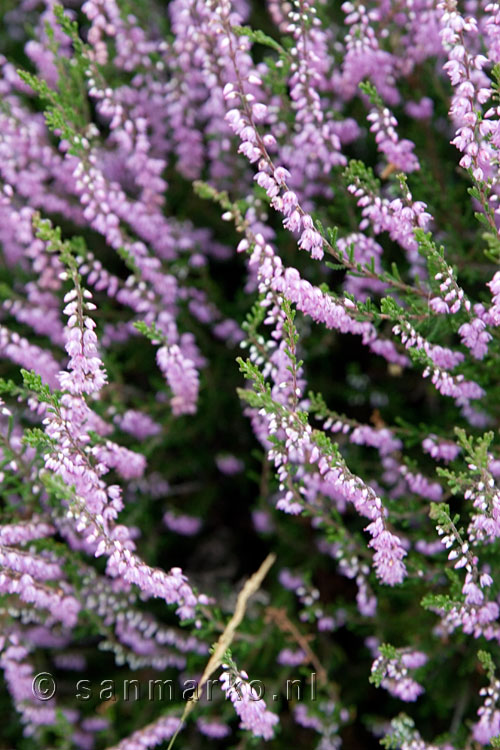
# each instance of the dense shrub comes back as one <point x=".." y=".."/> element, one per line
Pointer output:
<point x="249" y="354"/>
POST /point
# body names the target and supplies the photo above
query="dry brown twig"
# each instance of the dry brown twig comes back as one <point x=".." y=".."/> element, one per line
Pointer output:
<point x="249" y="589"/>
<point x="279" y="616"/>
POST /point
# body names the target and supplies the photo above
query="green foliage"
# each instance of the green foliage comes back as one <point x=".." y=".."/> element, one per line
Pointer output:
<point x="66" y="108"/>
<point x="369" y="90"/>
<point x="389" y="307"/>
<point x="388" y="653"/>
<point x="254" y="319"/>
<point x="150" y="331"/>
<point x="402" y="732"/>
<point x="475" y="449"/>
<point x="440" y="512"/>
<point x="33" y="382"/>
<point x="233" y="210"/>
<point x="36" y="438"/>
<point x="487" y="663"/>
<point x="357" y="173"/>
<point x="259" y="37"/>
<point x="261" y="394"/>
<point x="439" y="602"/>
<point x="68" y="249"/>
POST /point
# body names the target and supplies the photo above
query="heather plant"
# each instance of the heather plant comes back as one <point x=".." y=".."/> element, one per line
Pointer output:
<point x="249" y="374"/>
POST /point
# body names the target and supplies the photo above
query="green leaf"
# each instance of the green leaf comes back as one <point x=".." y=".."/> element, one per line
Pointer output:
<point x="258" y="36"/>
